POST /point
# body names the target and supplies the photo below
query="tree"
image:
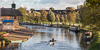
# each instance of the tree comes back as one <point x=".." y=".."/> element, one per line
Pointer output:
<point x="43" y="15"/>
<point x="92" y="3"/>
<point x="51" y="16"/>
<point x="70" y="8"/>
<point x="30" y="17"/>
<point x="62" y="18"/>
<point x="90" y="16"/>
<point x="32" y="9"/>
<point x="23" y="12"/>
<point x="57" y="18"/>
<point x="77" y="19"/>
<point x="73" y="16"/>
<point x="37" y="16"/>
<point x="52" y="8"/>
<point x="66" y="19"/>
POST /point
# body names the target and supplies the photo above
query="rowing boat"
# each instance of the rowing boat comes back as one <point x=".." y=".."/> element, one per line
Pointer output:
<point x="4" y="34"/>
<point x="52" y="42"/>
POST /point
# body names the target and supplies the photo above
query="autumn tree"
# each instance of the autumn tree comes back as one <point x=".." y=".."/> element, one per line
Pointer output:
<point x="51" y="16"/>
<point x="43" y="15"/>
<point x="51" y="8"/>
<point x="30" y="17"/>
<point x="23" y="12"/>
<point x="62" y="18"/>
<point x="37" y="16"/>
<point x="66" y="19"/>
<point x="73" y="16"/>
<point x="32" y="9"/>
<point x="69" y="17"/>
<point x="70" y="8"/>
<point x="57" y="19"/>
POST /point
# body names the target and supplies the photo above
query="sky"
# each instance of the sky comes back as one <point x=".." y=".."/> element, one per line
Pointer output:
<point x="42" y="4"/>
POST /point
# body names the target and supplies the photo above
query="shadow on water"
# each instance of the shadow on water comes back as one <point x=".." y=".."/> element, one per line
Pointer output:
<point x="65" y="40"/>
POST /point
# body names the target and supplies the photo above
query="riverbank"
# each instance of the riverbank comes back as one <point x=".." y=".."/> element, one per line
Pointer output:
<point x="95" y="44"/>
<point x="22" y="34"/>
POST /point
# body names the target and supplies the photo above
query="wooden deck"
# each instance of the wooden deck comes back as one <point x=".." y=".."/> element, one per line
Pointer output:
<point x="21" y="34"/>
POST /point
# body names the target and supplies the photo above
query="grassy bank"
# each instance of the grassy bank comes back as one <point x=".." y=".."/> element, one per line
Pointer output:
<point x="2" y="32"/>
<point x="95" y="43"/>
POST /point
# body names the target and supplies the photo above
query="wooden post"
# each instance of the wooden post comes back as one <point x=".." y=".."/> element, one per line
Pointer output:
<point x="0" y="43"/>
<point x="3" y="43"/>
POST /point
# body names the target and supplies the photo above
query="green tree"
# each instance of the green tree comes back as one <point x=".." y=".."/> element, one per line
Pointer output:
<point x="37" y="16"/>
<point x="23" y="12"/>
<point x="52" y="8"/>
<point x="92" y="3"/>
<point x="51" y="16"/>
<point x="77" y="19"/>
<point x="92" y="15"/>
<point x="62" y="18"/>
<point x="57" y="19"/>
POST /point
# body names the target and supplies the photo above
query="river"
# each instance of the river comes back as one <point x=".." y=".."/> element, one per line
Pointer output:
<point x="65" y="40"/>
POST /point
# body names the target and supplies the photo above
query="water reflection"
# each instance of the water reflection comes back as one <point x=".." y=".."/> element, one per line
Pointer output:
<point x="65" y="40"/>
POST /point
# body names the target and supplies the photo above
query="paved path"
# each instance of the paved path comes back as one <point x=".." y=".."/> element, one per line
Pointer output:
<point x="21" y="34"/>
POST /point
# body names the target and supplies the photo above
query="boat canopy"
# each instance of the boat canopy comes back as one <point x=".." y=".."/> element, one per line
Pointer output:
<point x="8" y="20"/>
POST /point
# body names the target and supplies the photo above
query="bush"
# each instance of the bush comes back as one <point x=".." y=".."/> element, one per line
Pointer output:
<point x="2" y="33"/>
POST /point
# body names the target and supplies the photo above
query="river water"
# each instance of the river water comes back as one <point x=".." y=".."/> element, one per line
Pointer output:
<point x="65" y="40"/>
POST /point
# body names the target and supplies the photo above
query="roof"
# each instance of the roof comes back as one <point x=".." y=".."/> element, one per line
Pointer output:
<point x="10" y="12"/>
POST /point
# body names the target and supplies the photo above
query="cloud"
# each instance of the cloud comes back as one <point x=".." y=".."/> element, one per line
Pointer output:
<point x="43" y="4"/>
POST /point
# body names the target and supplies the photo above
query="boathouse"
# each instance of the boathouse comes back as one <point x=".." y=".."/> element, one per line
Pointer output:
<point x="10" y="18"/>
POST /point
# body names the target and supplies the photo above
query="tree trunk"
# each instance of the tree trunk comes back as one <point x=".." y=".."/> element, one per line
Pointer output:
<point x="73" y="23"/>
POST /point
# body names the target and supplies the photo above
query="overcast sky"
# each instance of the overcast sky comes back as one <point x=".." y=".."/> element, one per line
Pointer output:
<point x="42" y="4"/>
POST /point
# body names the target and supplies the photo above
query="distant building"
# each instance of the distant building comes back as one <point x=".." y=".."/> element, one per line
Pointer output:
<point x="61" y="12"/>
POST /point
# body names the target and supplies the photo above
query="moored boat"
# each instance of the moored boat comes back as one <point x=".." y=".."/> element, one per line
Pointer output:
<point x="4" y="34"/>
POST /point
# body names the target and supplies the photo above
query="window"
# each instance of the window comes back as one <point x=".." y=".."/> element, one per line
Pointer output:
<point x="14" y="17"/>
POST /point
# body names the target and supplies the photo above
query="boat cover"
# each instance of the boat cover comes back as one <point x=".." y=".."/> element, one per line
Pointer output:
<point x="8" y="20"/>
